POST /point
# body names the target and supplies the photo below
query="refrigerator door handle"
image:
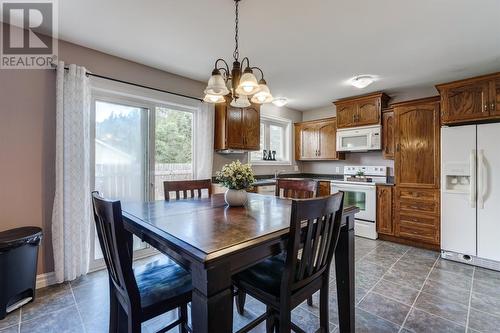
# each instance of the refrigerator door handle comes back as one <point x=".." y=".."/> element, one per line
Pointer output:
<point x="480" y="180"/>
<point x="472" y="193"/>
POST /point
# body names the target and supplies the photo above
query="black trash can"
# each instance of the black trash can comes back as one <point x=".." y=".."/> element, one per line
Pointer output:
<point x="18" y="261"/>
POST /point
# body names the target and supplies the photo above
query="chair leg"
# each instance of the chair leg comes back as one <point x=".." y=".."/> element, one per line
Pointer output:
<point x="310" y="301"/>
<point x="323" y="308"/>
<point x="183" y="316"/>
<point x="240" y="301"/>
<point x="113" y="310"/>
<point x="284" y="323"/>
<point x="270" y="321"/>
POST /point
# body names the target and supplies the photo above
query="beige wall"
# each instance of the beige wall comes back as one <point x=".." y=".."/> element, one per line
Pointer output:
<point x="27" y="141"/>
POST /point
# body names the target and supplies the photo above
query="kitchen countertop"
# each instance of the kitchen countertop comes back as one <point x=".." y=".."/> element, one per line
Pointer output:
<point x="263" y="180"/>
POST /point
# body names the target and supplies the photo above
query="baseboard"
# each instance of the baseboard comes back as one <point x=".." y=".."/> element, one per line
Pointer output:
<point x="45" y="280"/>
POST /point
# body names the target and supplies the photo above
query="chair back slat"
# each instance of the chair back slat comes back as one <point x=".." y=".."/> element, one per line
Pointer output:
<point x="116" y="246"/>
<point x="314" y="232"/>
<point x="192" y="187"/>
<point x="296" y="188"/>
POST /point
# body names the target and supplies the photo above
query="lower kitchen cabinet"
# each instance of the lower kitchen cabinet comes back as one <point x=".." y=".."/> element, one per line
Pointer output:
<point x="384" y="210"/>
<point x="409" y="216"/>
<point x="417" y="215"/>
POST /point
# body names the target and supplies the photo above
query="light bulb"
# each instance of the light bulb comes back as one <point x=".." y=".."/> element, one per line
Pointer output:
<point x="213" y="98"/>
<point x="261" y="98"/>
<point x="247" y="89"/>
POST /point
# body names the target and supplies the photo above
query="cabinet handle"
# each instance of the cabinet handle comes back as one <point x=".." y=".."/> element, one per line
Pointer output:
<point x="485" y="108"/>
<point x="492" y="106"/>
<point x="353" y="118"/>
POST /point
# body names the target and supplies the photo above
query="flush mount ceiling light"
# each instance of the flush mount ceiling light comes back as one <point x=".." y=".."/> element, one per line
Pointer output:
<point x="238" y="84"/>
<point x="280" y="101"/>
<point x="362" y="81"/>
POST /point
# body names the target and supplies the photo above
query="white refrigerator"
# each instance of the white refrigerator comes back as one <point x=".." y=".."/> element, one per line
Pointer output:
<point x="470" y="194"/>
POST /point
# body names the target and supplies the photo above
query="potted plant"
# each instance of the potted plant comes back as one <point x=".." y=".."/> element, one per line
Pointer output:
<point x="236" y="177"/>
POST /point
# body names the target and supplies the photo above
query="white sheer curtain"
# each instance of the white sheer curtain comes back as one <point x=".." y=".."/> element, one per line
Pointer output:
<point x="204" y="141"/>
<point x="71" y="216"/>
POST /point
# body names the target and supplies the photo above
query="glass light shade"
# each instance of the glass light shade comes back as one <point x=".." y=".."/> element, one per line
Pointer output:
<point x="240" y="102"/>
<point x="216" y="86"/>
<point x="214" y="98"/>
<point x="263" y="95"/>
<point x="280" y="101"/>
<point x="362" y="81"/>
<point x="248" y="84"/>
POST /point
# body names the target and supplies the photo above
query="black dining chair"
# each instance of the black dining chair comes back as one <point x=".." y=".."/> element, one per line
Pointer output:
<point x="284" y="281"/>
<point x="137" y="295"/>
<point x="193" y="187"/>
<point x="291" y="189"/>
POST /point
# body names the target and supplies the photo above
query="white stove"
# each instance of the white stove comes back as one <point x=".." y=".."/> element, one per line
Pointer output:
<point x="359" y="190"/>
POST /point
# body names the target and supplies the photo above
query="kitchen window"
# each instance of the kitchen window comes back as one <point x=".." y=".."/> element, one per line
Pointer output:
<point x="275" y="135"/>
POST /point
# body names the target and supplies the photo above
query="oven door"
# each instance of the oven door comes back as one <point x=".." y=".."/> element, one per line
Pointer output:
<point x="361" y="196"/>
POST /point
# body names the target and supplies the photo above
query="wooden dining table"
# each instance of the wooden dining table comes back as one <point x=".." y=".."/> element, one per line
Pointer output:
<point x="215" y="241"/>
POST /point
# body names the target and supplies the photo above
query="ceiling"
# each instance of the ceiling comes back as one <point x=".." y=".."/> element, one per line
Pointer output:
<point x="307" y="49"/>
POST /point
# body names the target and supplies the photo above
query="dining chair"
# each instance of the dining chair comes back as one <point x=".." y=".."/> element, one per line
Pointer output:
<point x="141" y="293"/>
<point x="296" y="188"/>
<point x="287" y="188"/>
<point x="186" y="186"/>
<point x="284" y="281"/>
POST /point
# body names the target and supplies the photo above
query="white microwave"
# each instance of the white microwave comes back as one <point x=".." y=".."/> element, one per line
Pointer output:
<point x="359" y="138"/>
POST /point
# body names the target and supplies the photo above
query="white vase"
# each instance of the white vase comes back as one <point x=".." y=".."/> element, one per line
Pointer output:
<point x="235" y="198"/>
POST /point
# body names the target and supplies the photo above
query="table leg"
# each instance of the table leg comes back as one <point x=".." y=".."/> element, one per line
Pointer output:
<point x="212" y="300"/>
<point x="344" y="270"/>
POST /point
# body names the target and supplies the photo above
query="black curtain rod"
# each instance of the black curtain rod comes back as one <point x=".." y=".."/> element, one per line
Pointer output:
<point x="139" y="85"/>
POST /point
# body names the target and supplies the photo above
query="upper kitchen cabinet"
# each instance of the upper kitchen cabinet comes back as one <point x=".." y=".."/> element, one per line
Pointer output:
<point x="495" y="97"/>
<point x="316" y="140"/>
<point x="360" y="111"/>
<point x="417" y="140"/>
<point x="470" y="100"/>
<point x="236" y="128"/>
<point x="388" y="145"/>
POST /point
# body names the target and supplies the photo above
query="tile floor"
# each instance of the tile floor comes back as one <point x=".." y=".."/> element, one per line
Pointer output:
<point x="398" y="289"/>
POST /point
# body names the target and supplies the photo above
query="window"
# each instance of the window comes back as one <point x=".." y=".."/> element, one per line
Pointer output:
<point x="173" y="147"/>
<point x="139" y="142"/>
<point x="275" y="135"/>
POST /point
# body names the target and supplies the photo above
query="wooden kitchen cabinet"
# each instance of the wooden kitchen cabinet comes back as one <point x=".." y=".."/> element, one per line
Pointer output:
<point x="316" y="140"/>
<point x="388" y="145"/>
<point x="416" y="196"/>
<point x="471" y="100"/>
<point x="417" y="215"/>
<point x="360" y="111"/>
<point x="384" y="210"/>
<point x="495" y="97"/>
<point x="236" y="128"/>
<point x="417" y="140"/>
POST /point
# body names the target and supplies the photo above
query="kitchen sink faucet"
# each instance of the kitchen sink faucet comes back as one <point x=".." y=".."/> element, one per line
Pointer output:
<point x="277" y="173"/>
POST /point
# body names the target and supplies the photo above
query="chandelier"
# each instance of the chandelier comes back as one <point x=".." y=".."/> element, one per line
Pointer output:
<point x="241" y="86"/>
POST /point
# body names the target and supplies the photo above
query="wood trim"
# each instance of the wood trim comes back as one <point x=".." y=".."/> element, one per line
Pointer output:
<point x="412" y="102"/>
<point x="380" y="94"/>
<point x="469" y="80"/>
<point x="404" y="241"/>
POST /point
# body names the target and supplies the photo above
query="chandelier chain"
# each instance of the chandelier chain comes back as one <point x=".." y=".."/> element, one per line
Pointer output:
<point x="236" y="53"/>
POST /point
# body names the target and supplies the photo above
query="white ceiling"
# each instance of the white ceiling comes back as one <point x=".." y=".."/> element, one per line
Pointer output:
<point x="307" y="49"/>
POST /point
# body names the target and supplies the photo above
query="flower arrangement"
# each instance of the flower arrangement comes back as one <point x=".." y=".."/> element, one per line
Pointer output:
<point x="236" y="176"/>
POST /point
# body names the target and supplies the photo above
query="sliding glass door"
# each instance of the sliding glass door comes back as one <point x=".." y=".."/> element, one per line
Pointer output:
<point x="120" y="159"/>
<point x="138" y="144"/>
